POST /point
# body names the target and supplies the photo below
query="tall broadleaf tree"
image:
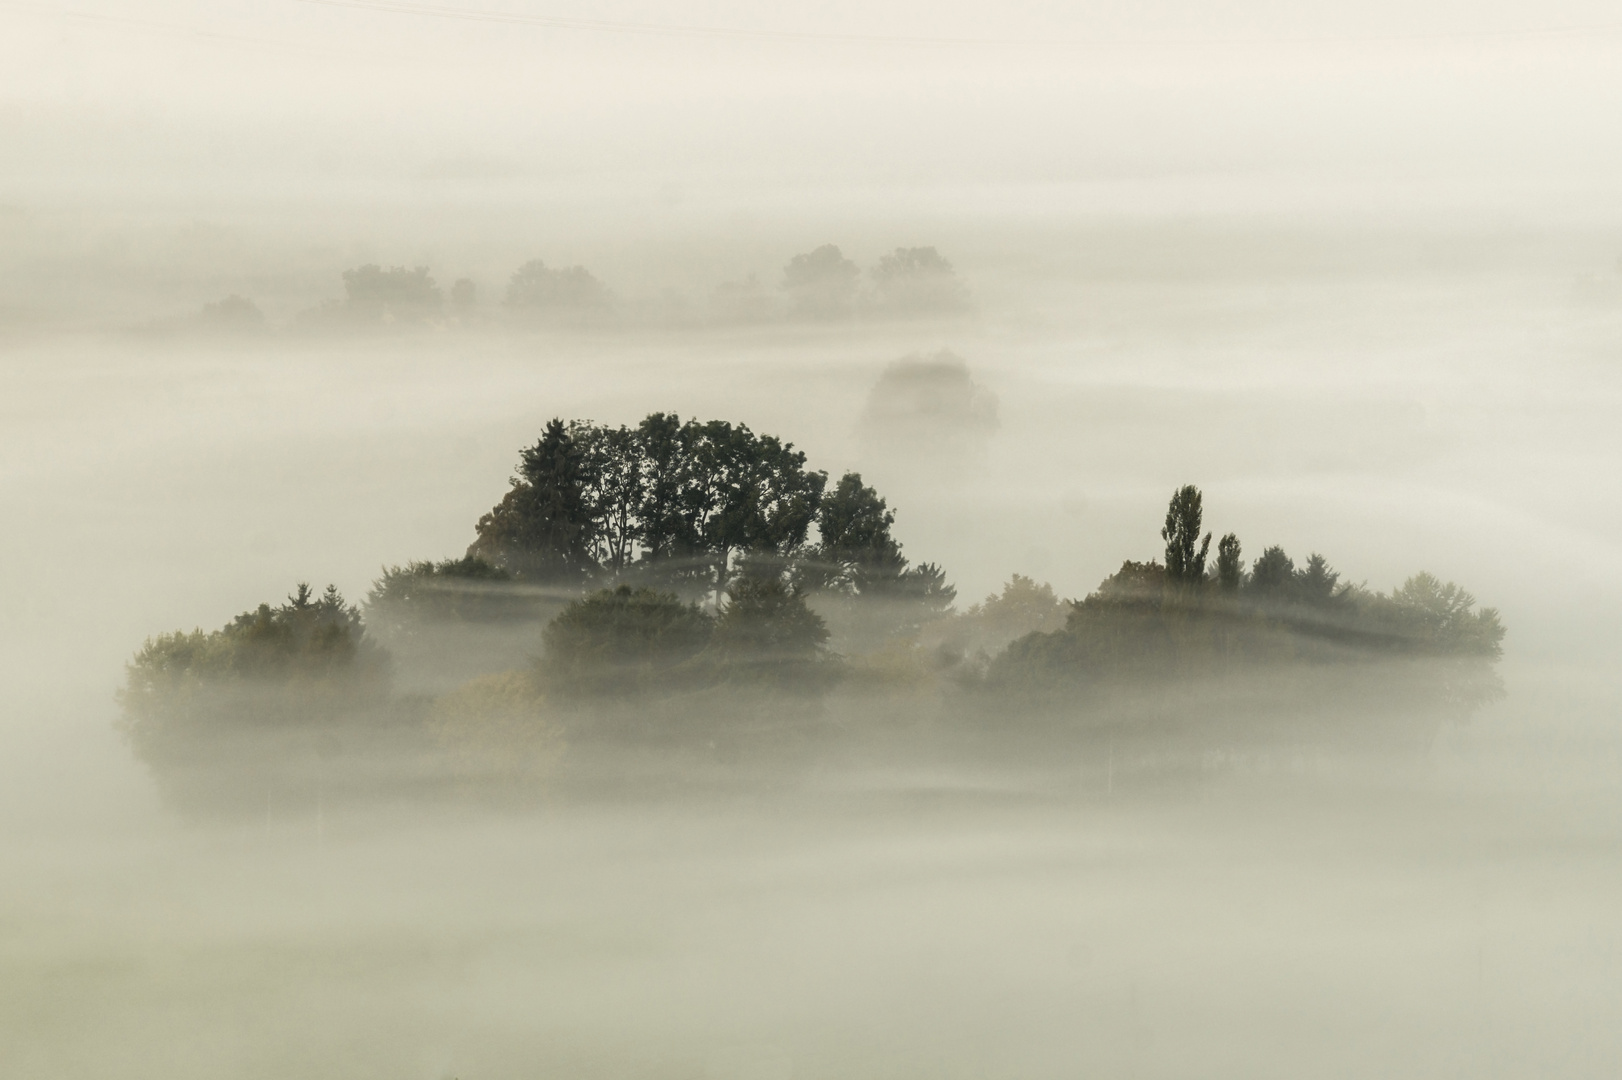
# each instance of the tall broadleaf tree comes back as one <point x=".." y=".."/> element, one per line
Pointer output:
<point x="544" y="529"/>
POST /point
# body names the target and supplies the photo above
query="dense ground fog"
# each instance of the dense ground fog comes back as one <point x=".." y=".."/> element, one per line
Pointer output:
<point x="1434" y="401"/>
<point x="1357" y="278"/>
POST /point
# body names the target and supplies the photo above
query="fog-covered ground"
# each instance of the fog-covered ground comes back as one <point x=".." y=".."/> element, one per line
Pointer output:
<point x="1354" y="274"/>
<point x="1398" y="411"/>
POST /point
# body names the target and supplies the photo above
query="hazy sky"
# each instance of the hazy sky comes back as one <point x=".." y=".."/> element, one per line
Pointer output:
<point x="1441" y="104"/>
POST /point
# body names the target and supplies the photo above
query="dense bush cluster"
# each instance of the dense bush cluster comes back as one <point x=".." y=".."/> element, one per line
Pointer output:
<point x="686" y="505"/>
<point x="654" y="565"/>
<point x="1188" y="617"/>
<point x="305" y="663"/>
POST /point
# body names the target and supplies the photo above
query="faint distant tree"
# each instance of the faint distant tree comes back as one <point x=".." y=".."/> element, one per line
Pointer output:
<point x="396" y="295"/>
<point x="464" y="298"/>
<point x="918" y="281"/>
<point x="537" y="289"/>
<point x="821" y="284"/>
<point x="234" y="314"/>
<point x="742" y="301"/>
<point x="929" y="406"/>
<point x="1185" y="550"/>
<point x="1230" y="567"/>
<point x="1432" y="617"/>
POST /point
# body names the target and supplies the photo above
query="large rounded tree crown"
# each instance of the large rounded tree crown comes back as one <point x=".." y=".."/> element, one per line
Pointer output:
<point x="767" y="619"/>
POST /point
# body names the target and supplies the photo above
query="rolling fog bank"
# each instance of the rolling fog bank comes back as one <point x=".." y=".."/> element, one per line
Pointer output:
<point x="880" y="926"/>
<point x="1450" y="913"/>
<point x="286" y="288"/>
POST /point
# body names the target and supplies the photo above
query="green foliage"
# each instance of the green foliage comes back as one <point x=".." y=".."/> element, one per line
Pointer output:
<point x="1230" y="568"/>
<point x="469" y="589"/>
<point x="1273" y="575"/>
<point x="617" y="640"/>
<point x="857" y="554"/>
<point x="616" y="484"/>
<point x="674" y="502"/>
<point x="1148" y="623"/>
<point x="306" y="661"/>
<point x="1185" y="551"/>
<point x="1023" y="605"/>
<point x="767" y="620"/>
<point x="854" y="525"/>
<point x="1315" y="582"/>
<point x="1427" y="617"/>
<point x="544" y="529"/>
<point x="874" y="592"/>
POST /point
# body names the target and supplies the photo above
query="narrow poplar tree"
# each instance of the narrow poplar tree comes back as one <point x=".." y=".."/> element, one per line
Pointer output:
<point x="1185" y="551"/>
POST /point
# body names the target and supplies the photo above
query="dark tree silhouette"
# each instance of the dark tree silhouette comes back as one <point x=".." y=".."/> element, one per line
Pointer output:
<point x="613" y="468"/>
<point x="1185" y="550"/>
<point x="469" y="589"/>
<point x="1230" y="567"/>
<point x="1272" y="577"/>
<point x="1315" y="582"/>
<point x="614" y="639"/>
<point x="766" y="619"/>
<point x="543" y="529"/>
<point x="854" y="523"/>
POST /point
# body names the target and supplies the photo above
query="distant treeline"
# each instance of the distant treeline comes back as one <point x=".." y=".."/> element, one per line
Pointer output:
<point x="1189" y="616"/>
<point x="819" y="285"/>
<point x="637" y="568"/>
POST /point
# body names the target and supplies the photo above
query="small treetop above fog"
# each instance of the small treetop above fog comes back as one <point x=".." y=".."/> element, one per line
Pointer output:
<point x="1185" y="551"/>
<point x="1421" y="617"/>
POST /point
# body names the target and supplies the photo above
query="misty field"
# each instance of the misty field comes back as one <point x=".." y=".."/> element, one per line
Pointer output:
<point x="646" y="540"/>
